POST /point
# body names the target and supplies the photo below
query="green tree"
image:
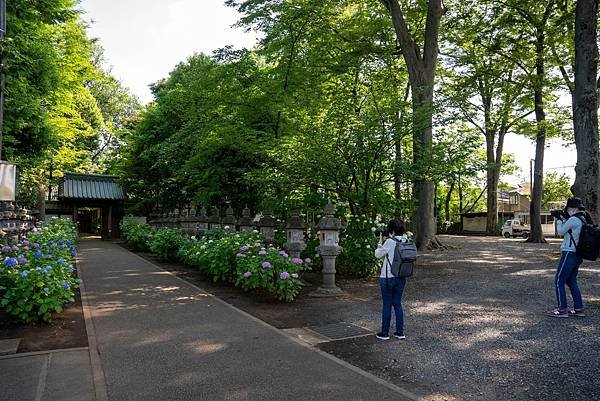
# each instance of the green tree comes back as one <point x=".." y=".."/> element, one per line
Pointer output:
<point x="482" y="86"/>
<point x="556" y="188"/>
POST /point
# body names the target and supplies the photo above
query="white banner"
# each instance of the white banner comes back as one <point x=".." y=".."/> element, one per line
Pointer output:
<point x="8" y="182"/>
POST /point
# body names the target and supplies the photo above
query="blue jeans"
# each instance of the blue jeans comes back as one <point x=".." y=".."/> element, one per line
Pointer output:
<point x="566" y="273"/>
<point x="391" y="294"/>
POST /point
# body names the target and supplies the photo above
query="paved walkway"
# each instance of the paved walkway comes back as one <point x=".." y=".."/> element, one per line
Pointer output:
<point x="160" y="338"/>
<point x="62" y="375"/>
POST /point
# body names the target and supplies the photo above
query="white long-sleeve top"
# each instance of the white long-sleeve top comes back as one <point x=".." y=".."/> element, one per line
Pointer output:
<point x="574" y="224"/>
<point x="387" y="249"/>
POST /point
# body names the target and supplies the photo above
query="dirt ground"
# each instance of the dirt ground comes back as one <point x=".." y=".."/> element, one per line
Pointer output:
<point x="67" y="330"/>
<point x="474" y="319"/>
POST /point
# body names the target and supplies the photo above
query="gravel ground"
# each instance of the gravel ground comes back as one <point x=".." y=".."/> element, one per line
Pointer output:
<point x="476" y="327"/>
<point x="475" y="320"/>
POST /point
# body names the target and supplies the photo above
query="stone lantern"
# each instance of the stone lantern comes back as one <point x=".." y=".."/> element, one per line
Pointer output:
<point x="214" y="220"/>
<point x="267" y="226"/>
<point x="245" y="222"/>
<point x="229" y="219"/>
<point x="329" y="236"/>
<point x="295" y="234"/>
<point x="202" y="222"/>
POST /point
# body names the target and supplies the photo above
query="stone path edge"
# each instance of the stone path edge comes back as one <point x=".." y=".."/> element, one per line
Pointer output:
<point x="99" y="381"/>
<point x="403" y="392"/>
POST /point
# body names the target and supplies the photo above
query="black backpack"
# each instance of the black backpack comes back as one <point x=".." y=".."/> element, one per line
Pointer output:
<point x="588" y="246"/>
<point x="405" y="257"/>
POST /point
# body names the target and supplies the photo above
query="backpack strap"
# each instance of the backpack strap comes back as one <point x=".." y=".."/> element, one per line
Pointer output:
<point x="389" y="266"/>
<point x="572" y="240"/>
<point x="583" y="222"/>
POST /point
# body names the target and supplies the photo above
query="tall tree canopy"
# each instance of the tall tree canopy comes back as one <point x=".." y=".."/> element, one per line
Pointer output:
<point x="63" y="112"/>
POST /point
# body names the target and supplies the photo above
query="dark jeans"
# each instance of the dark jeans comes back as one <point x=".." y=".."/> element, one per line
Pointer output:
<point x="391" y="294"/>
<point x="566" y="273"/>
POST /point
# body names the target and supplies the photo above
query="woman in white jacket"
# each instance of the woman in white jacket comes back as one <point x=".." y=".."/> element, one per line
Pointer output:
<point x="392" y="287"/>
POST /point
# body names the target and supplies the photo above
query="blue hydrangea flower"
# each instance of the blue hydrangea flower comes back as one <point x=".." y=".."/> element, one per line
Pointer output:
<point x="73" y="254"/>
<point x="60" y="261"/>
<point x="66" y="286"/>
<point x="24" y="273"/>
<point x="46" y="289"/>
<point x="37" y="255"/>
<point x="9" y="262"/>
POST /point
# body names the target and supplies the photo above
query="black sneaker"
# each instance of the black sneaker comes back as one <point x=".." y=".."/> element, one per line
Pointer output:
<point x="383" y="336"/>
<point x="399" y="335"/>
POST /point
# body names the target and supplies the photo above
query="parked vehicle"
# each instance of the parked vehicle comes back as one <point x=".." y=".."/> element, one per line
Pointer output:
<point x="514" y="228"/>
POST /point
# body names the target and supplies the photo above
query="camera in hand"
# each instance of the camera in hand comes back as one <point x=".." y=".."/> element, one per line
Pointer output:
<point x="558" y="214"/>
<point x="379" y="231"/>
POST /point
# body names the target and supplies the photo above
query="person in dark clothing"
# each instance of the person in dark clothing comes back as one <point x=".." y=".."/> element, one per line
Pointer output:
<point x="569" y="226"/>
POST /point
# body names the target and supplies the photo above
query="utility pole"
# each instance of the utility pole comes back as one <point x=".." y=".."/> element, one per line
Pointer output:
<point x="2" y="83"/>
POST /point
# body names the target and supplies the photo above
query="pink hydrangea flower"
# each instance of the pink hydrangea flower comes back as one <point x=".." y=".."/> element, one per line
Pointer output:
<point x="247" y="274"/>
<point x="266" y="265"/>
<point x="262" y="252"/>
<point x="308" y="261"/>
<point x="245" y="248"/>
<point x="284" y="275"/>
<point x="283" y="253"/>
<point x="297" y="261"/>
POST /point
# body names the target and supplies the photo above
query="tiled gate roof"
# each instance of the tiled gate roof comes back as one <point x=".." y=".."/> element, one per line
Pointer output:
<point x="90" y="186"/>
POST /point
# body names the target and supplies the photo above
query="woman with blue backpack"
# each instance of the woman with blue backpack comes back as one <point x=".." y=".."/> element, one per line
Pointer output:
<point x="392" y="278"/>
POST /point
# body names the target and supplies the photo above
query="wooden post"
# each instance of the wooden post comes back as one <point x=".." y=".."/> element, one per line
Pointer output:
<point x="110" y="222"/>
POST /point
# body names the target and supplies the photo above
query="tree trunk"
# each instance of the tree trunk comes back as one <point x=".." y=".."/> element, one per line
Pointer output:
<point x="424" y="188"/>
<point x="536" y="235"/>
<point x="585" y="106"/>
<point x="421" y="72"/>
<point x="492" y="172"/>
<point x="447" y="201"/>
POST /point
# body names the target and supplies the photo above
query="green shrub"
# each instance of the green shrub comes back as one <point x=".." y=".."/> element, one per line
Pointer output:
<point x="36" y="277"/>
<point x="359" y="243"/>
<point x="166" y="243"/>
<point x="138" y="236"/>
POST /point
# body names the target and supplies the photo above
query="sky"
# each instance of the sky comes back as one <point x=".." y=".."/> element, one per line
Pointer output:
<point x="144" y="40"/>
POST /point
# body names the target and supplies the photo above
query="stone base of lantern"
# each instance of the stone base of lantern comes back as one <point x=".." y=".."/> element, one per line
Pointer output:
<point x="328" y="289"/>
<point x="323" y="292"/>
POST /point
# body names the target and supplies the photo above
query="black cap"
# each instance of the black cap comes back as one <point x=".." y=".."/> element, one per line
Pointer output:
<point x="575" y="203"/>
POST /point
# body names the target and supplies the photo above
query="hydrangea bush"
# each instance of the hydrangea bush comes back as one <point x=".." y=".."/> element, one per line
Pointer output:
<point x="166" y="243"/>
<point x="215" y="254"/>
<point x="269" y="269"/>
<point x="359" y="243"/>
<point x="37" y="276"/>
<point x="138" y="236"/>
<point x="240" y="258"/>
